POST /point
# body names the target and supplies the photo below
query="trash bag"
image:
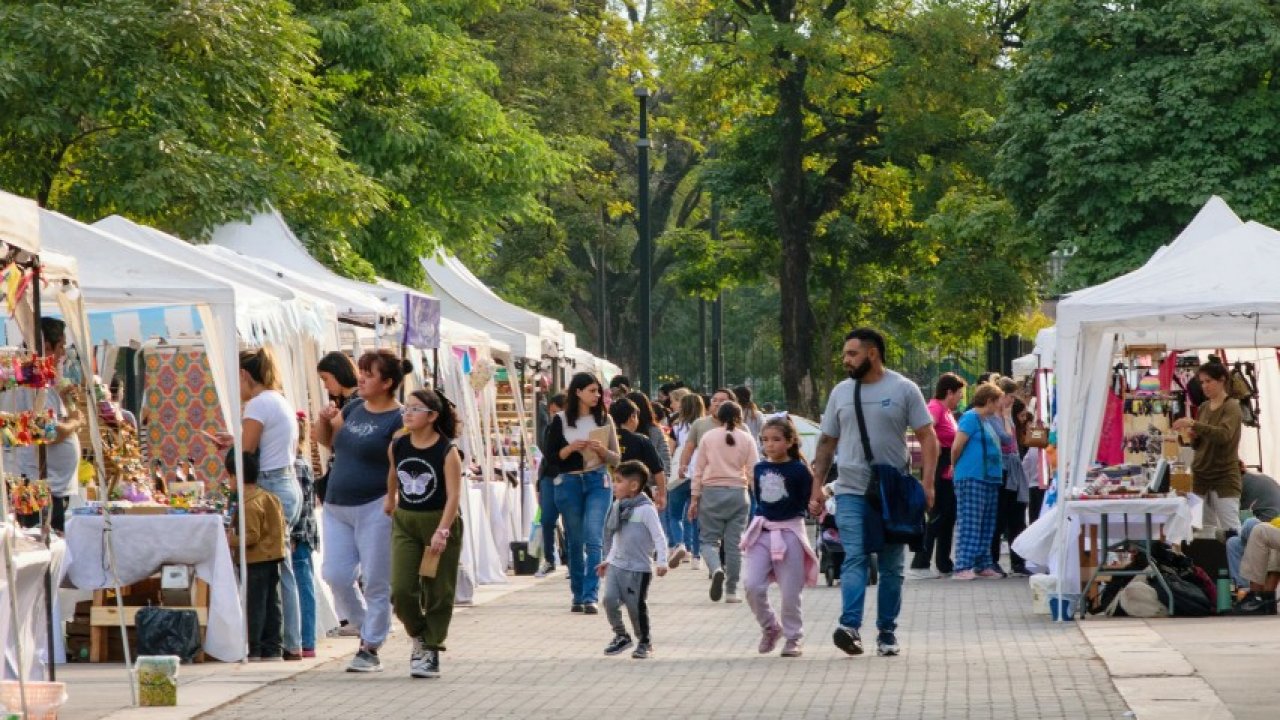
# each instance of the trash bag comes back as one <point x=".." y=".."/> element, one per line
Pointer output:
<point x="162" y="631"/>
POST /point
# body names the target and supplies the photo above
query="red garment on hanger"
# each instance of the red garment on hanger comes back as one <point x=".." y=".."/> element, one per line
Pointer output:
<point x="1111" y="442"/>
<point x="1167" y="367"/>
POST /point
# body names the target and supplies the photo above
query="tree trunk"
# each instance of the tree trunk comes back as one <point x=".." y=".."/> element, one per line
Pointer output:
<point x="792" y="209"/>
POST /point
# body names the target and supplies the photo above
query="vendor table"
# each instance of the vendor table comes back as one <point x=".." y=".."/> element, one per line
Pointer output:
<point x="29" y="570"/>
<point x="1174" y="514"/>
<point x="143" y="543"/>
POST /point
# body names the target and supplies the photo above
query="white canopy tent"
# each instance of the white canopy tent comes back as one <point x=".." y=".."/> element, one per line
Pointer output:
<point x="449" y="276"/>
<point x="117" y="274"/>
<point x="19" y="222"/>
<point x="313" y="324"/>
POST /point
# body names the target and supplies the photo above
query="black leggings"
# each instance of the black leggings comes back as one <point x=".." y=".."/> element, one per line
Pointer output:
<point x="940" y="528"/>
<point x="1011" y="520"/>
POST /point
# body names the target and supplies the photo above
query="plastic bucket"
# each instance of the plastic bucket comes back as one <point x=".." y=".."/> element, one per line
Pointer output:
<point x="1042" y="586"/>
<point x="1061" y="607"/>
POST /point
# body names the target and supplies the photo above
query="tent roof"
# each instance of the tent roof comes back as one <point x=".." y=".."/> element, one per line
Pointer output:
<point x="309" y="314"/>
<point x="451" y="277"/>
<point x="457" y="334"/>
<point x="267" y="237"/>
<point x="19" y="222"/>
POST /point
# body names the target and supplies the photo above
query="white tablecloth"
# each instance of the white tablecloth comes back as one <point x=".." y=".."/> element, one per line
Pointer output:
<point x="1039" y="543"/>
<point x="145" y="542"/>
<point x="29" y="569"/>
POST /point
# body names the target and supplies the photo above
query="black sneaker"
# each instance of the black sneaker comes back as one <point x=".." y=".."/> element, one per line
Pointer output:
<point x="887" y="644"/>
<point x="642" y="651"/>
<point x="590" y="609"/>
<point x="848" y="640"/>
<point x="1256" y="603"/>
<point x="431" y="664"/>
<point x="619" y="644"/>
<point x="717" y="585"/>
<point x="577" y="607"/>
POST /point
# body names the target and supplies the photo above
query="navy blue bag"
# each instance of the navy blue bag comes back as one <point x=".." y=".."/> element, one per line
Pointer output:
<point x="897" y="498"/>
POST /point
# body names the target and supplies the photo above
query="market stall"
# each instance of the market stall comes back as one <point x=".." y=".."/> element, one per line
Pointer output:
<point x="1212" y="288"/>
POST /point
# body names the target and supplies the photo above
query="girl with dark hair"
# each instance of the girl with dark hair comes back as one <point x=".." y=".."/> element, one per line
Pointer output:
<point x="682" y="531"/>
<point x="356" y="532"/>
<point x="269" y="429"/>
<point x="1215" y="435"/>
<point x="424" y="486"/>
<point x="338" y="373"/>
<point x="725" y="459"/>
<point x="584" y="442"/>
<point x="783" y="483"/>
<point x="650" y="428"/>
<point x="751" y="417"/>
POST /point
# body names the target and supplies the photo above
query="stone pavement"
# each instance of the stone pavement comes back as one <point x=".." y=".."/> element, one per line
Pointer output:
<point x="970" y="650"/>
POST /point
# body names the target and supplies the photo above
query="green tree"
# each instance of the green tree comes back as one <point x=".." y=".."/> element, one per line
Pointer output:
<point x="1123" y="118"/>
<point x="413" y="98"/>
<point x="177" y="113"/>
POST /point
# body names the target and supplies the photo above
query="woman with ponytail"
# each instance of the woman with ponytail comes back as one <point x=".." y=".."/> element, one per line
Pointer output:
<point x="269" y="429"/>
<point x="357" y="532"/>
<point x="424" y="485"/>
<point x="726" y="457"/>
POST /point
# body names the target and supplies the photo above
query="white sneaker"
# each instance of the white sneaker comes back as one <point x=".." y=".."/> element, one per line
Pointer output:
<point x="732" y="597"/>
<point x="921" y="574"/>
<point x="696" y="563"/>
<point x="418" y="659"/>
<point x="677" y="556"/>
<point x="543" y="570"/>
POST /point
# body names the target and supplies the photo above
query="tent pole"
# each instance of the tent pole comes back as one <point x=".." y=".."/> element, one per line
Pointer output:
<point x="42" y="464"/>
<point x="435" y="367"/>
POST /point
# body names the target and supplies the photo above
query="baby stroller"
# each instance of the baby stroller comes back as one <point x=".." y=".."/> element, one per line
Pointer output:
<point x="831" y="552"/>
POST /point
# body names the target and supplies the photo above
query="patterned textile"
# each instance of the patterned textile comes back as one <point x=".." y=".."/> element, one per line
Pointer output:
<point x="976" y="524"/>
<point x="179" y="402"/>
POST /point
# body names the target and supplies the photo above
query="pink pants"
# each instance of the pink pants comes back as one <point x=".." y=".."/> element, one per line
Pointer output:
<point x="789" y="573"/>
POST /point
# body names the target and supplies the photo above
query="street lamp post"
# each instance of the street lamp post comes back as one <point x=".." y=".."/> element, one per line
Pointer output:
<point x="717" y="310"/>
<point x="646" y="245"/>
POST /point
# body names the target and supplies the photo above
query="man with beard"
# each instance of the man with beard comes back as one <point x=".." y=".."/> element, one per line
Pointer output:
<point x="890" y="405"/>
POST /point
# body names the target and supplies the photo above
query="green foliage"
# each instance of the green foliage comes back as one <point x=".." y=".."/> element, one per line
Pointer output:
<point x="412" y="97"/>
<point x="1123" y="118"/>
<point x="177" y="113"/>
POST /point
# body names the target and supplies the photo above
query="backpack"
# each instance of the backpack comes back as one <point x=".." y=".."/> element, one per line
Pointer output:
<point x="1242" y="384"/>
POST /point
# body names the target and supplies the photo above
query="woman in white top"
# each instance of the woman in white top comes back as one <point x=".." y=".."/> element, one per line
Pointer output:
<point x="269" y="427"/>
<point x="682" y="532"/>
<point x="583" y="490"/>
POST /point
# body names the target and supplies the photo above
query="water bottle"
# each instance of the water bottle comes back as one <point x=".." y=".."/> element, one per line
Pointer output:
<point x="1224" y="592"/>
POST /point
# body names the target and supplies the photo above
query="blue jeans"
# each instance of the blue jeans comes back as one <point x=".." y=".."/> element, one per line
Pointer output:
<point x="850" y="510"/>
<point x="680" y="529"/>
<point x="583" y="500"/>
<point x="284" y="484"/>
<point x="549" y="514"/>
<point x="1235" y="551"/>
<point x="306" y="593"/>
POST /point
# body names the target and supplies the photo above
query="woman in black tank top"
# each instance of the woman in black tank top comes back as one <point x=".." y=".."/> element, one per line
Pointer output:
<point x="423" y="492"/>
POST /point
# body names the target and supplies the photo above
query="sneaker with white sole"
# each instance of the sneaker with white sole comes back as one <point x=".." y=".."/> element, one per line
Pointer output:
<point x="432" y="664"/>
<point x="544" y="570"/>
<point x="732" y="597"/>
<point x="365" y="661"/>
<point x="677" y="556"/>
<point x="643" y="651"/>
<point x="418" y="659"/>
<point x="887" y="644"/>
<point x="769" y="639"/>
<point x="792" y="648"/>
<point x="695" y="563"/>
<point x="618" y="645"/>
<point x="848" y="640"/>
<point x="921" y="574"/>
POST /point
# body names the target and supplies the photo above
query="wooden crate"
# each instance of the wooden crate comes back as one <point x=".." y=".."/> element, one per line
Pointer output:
<point x="104" y="616"/>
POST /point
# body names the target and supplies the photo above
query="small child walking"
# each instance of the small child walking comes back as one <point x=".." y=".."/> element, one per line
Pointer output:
<point x="424" y="487"/>
<point x="632" y="534"/>
<point x="775" y="544"/>
<point x="264" y="548"/>
<point x="304" y="536"/>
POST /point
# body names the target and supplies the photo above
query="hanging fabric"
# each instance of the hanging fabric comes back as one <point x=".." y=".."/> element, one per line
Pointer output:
<point x="1111" y="441"/>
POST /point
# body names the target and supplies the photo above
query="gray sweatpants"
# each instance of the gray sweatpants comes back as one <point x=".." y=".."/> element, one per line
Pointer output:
<point x="722" y="516"/>
<point x="630" y="588"/>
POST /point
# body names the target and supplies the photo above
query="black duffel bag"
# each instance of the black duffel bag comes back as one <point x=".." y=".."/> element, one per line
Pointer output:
<point x="162" y="631"/>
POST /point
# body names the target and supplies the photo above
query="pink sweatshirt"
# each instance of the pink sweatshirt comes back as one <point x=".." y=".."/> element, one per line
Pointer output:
<point x="723" y="465"/>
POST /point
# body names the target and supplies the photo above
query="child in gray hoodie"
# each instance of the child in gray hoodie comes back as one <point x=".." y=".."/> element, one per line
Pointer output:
<point x="632" y="533"/>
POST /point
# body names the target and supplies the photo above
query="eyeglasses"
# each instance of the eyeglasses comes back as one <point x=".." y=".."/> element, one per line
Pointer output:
<point x="414" y="410"/>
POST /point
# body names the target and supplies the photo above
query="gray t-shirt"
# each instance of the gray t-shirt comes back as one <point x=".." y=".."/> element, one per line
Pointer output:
<point x="360" y="464"/>
<point x="1261" y="495"/>
<point x="891" y="406"/>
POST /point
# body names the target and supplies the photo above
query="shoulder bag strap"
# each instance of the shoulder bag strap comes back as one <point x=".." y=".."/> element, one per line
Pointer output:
<point x="862" y="421"/>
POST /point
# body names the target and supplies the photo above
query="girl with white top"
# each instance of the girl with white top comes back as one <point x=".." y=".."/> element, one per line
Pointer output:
<point x="583" y="490"/>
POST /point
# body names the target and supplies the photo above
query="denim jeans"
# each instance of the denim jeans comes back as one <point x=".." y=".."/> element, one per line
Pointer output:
<point x="850" y="510"/>
<point x="357" y="545"/>
<point x="306" y="593"/>
<point x="549" y="514"/>
<point x="583" y="500"/>
<point x="680" y="529"/>
<point x="283" y="483"/>
<point x="1235" y="551"/>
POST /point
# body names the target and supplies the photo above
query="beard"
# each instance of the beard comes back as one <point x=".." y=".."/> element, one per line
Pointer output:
<point x="860" y="371"/>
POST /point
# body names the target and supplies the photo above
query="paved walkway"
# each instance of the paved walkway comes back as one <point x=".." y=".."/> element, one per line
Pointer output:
<point x="971" y="650"/>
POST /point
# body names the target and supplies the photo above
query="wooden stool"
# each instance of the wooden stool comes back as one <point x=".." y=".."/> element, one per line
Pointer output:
<point x="104" y="616"/>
